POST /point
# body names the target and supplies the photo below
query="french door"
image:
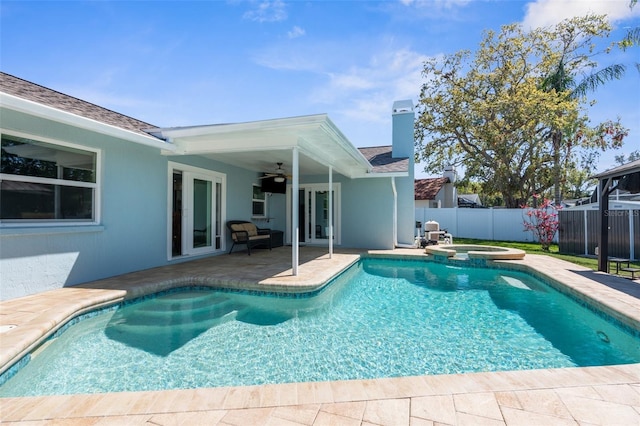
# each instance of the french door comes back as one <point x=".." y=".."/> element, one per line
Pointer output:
<point x="313" y="214"/>
<point x="197" y="197"/>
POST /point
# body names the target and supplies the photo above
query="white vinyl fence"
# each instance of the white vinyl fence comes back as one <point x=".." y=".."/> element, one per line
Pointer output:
<point x="484" y="224"/>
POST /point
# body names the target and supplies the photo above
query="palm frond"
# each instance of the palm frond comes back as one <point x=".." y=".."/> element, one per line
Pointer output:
<point x="597" y="79"/>
<point x="631" y="39"/>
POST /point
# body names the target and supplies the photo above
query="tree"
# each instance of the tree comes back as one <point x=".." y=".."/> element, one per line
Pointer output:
<point x="542" y="221"/>
<point x="492" y="113"/>
<point x="574" y="43"/>
<point x="633" y="156"/>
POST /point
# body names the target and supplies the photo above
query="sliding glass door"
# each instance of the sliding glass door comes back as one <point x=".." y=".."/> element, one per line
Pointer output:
<point x="197" y="210"/>
<point x="313" y="214"/>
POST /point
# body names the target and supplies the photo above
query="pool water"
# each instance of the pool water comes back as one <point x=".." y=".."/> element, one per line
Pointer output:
<point x="381" y="318"/>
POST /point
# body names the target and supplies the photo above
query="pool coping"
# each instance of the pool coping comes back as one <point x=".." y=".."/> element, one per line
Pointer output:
<point x="76" y="300"/>
<point x="479" y="252"/>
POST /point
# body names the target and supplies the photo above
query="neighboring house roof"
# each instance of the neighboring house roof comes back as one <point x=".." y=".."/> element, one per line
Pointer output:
<point x="469" y="200"/>
<point x="427" y="189"/>
<point x="33" y="92"/>
<point x="380" y="158"/>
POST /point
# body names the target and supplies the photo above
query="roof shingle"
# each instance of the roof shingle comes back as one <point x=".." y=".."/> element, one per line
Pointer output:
<point x="427" y="189"/>
<point x="33" y="92"/>
<point x="382" y="161"/>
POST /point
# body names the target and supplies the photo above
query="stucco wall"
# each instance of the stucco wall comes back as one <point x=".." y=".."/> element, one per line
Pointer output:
<point x="367" y="220"/>
<point x="132" y="234"/>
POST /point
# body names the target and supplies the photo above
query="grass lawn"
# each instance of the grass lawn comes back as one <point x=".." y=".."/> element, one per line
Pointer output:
<point x="536" y="248"/>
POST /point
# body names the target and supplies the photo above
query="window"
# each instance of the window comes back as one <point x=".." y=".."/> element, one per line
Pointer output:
<point x="259" y="208"/>
<point x="45" y="182"/>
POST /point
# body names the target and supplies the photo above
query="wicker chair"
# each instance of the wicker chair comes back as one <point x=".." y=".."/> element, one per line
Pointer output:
<point x="243" y="232"/>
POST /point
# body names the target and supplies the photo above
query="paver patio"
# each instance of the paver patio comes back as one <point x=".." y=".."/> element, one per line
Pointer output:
<point x="607" y="395"/>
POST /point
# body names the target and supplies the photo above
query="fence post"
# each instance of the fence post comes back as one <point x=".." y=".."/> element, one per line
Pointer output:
<point x="632" y="244"/>
<point x="586" y="233"/>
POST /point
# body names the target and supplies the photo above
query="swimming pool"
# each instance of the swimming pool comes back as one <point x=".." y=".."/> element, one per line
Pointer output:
<point x="381" y="319"/>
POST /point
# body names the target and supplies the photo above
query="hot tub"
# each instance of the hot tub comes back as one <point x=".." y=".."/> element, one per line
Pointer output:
<point x="471" y="251"/>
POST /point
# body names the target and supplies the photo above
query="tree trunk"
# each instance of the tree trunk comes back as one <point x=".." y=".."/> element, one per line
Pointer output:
<point x="557" y="173"/>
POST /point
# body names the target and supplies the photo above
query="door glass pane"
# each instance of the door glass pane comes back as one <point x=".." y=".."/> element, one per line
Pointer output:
<point x="218" y="215"/>
<point x="301" y="215"/>
<point x="322" y="215"/>
<point x="176" y="224"/>
<point x="202" y="214"/>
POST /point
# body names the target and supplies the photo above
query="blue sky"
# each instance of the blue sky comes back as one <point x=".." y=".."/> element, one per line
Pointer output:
<point x="174" y="63"/>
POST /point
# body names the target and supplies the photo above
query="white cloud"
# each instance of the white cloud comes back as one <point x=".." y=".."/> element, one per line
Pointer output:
<point x="358" y="78"/>
<point x="296" y="32"/>
<point x="267" y="11"/>
<point x="367" y="92"/>
<point x="542" y="13"/>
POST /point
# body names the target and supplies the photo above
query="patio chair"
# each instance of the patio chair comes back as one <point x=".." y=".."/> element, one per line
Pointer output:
<point x="243" y="232"/>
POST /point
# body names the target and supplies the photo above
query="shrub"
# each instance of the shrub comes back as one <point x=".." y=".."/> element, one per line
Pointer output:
<point x="542" y="221"/>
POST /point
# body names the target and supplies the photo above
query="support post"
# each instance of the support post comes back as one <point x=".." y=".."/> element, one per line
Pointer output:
<point x="295" y="206"/>
<point x="330" y="212"/>
<point x="603" y="221"/>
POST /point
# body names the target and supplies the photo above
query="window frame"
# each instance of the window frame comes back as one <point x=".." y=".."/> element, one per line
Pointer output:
<point x="95" y="186"/>
<point x="265" y="213"/>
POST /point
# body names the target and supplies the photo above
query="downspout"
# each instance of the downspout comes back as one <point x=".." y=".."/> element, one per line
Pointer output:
<point x="395" y="211"/>
<point x="395" y="217"/>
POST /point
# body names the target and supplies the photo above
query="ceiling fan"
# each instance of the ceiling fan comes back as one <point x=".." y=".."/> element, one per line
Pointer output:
<point x="278" y="176"/>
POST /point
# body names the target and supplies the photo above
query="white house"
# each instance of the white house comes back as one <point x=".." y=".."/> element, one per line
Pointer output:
<point x="437" y="193"/>
<point x="87" y="193"/>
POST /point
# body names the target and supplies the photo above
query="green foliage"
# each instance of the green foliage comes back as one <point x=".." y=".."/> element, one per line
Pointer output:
<point x="633" y="156"/>
<point x="511" y="113"/>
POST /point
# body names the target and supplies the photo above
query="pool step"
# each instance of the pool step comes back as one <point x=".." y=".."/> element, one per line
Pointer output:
<point x="179" y="316"/>
<point x="181" y="301"/>
<point x="183" y="329"/>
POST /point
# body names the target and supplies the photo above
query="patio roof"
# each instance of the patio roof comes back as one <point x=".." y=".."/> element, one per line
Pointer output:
<point x="620" y="171"/>
<point x="259" y="145"/>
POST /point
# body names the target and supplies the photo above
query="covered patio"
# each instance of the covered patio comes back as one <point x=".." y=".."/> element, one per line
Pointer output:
<point x="305" y="146"/>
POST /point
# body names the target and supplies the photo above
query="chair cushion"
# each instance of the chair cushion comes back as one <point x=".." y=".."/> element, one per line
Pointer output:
<point x="250" y="228"/>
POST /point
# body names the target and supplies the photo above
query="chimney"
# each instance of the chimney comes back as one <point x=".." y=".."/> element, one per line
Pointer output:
<point x="450" y="172"/>
<point x="403" y="134"/>
<point x="450" y="192"/>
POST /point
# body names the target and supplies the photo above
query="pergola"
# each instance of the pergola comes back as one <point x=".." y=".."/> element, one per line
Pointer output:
<point x="625" y="177"/>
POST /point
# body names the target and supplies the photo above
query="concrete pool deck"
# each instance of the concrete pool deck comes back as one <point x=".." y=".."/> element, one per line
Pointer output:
<point x="597" y="395"/>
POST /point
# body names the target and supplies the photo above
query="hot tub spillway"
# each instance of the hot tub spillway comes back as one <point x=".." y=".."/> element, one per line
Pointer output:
<point x="164" y="324"/>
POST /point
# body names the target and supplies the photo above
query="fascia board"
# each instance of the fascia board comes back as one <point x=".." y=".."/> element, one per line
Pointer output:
<point x="339" y="152"/>
<point x="332" y="130"/>
<point x="290" y="124"/>
<point x="383" y="175"/>
<point x="36" y="109"/>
